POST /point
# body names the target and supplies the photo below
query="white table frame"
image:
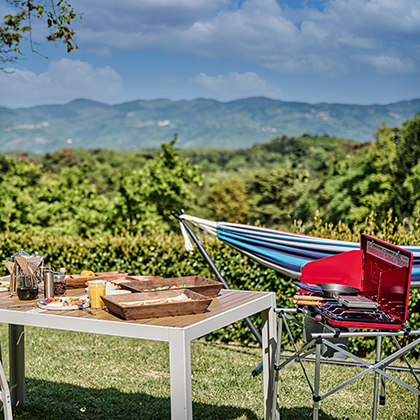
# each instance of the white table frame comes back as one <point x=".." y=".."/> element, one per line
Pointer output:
<point x="179" y="340"/>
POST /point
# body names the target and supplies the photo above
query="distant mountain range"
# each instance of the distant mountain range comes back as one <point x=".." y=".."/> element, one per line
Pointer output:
<point x="86" y="124"/>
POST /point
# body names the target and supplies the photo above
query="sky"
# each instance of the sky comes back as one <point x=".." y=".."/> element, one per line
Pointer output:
<point x="336" y="51"/>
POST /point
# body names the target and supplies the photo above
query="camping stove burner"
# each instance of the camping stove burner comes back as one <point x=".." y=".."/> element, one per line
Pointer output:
<point x="335" y="312"/>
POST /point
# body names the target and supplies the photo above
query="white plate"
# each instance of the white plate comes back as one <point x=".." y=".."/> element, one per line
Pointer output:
<point x="4" y="286"/>
<point x="60" y="307"/>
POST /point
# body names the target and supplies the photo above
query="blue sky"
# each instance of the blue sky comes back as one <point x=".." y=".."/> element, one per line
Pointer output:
<point x="341" y="51"/>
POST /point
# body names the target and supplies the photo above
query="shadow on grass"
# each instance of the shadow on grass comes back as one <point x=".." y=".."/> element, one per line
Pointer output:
<point x="57" y="401"/>
<point x="305" y="413"/>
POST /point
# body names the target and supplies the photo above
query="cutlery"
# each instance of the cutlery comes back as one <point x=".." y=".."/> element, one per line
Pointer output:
<point x="84" y="309"/>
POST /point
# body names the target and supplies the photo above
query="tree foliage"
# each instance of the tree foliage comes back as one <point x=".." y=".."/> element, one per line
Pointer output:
<point x="228" y="200"/>
<point x="289" y="179"/>
<point x="293" y="178"/>
<point x="274" y="194"/>
<point x="363" y="182"/>
<point x="90" y="195"/>
<point x="148" y="194"/>
<point x="408" y="169"/>
<point x="381" y="177"/>
<point x="57" y="15"/>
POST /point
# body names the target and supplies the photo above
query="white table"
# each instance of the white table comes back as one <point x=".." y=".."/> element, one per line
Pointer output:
<point x="229" y="307"/>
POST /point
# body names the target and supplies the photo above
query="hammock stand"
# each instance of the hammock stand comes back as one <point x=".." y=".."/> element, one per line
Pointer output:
<point x="186" y="229"/>
<point x="284" y="252"/>
<point x="288" y="253"/>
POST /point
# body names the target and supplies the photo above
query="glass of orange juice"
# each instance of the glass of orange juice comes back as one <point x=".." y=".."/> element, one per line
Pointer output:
<point x="97" y="288"/>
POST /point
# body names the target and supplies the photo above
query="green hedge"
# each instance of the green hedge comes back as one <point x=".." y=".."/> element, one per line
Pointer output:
<point x="165" y="255"/>
<point x="162" y="255"/>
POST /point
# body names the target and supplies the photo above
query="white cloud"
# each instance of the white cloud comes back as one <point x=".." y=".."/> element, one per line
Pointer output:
<point x="235" y="85"/>
<point x="304" y="40"/>
<point x="145" y="15"/>
<point x="387" y="64"/>
<point x="64" y="80"/>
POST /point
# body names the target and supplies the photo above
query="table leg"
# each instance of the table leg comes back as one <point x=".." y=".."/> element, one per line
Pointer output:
<point x="180" y="373"/>
<point x="17" y="364"/>
<point x="269" y="349"/>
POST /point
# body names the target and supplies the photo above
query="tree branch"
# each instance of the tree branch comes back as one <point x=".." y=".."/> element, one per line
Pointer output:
<point x="58" y="15"/>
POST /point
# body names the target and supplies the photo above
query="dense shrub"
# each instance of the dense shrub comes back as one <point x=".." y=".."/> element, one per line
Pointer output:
<point x="165" y="255"/>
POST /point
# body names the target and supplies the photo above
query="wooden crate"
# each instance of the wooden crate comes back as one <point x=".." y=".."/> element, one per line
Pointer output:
<point x="196" y="305"/>
<point x="197" y="284"/>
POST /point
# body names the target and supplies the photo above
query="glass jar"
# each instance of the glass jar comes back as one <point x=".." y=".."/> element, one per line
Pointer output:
<point x="59" y="284"/>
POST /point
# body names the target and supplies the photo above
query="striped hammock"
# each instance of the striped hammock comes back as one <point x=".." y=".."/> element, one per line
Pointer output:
<point x="284" y="252"/>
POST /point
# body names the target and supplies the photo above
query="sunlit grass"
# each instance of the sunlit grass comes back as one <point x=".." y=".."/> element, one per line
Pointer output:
<point x="73" y="376"/>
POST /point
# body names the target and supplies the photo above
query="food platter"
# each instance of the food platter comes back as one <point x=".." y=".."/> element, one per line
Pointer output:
<point x="157" y="304"/>
<point x="197" y="284"/>
<point x="64" y="304"/>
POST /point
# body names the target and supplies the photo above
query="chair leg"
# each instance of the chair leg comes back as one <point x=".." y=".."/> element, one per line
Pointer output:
<point x="5" y="395"/>
<point x="382" y="395"/>
<point x="377" y="377"/>
<point x="317" y="377"/>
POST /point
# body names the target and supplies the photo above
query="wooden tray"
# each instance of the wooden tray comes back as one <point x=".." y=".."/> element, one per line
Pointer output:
<point x="197" y="305"/>
<point x="74" y="281"/>
<point x="110" y="274"/>
<point x="143" y="278"/>
<point x="200" y="285"/>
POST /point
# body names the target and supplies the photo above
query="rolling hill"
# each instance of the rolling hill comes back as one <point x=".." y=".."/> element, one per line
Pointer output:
<point x="142" y="124"/>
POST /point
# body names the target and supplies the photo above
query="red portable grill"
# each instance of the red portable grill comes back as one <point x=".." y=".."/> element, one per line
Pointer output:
<point x="382" y="273"/>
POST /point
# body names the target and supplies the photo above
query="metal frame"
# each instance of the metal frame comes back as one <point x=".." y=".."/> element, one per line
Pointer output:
<point x="217" y="273"/>
<point x="379" y="368"/>
<point x="5" y="394"/>
<point x="219" y="277"/>
<point x="179" y="339"/>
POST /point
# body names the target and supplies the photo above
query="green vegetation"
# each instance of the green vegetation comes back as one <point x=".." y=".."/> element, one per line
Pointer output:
<point x="106" y="210"/>
<point x="291" y="178"/>
<point x="94" y="193"/>
<point x="164" y="254"/>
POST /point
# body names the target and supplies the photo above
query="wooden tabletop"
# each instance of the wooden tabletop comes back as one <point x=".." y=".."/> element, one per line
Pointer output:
<point x="225" y="301"/>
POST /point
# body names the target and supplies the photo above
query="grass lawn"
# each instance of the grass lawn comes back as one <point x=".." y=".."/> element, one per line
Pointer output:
<point x="72" y="376"/>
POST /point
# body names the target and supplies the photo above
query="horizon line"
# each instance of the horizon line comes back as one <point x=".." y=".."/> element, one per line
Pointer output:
<point x="210" y="100"/>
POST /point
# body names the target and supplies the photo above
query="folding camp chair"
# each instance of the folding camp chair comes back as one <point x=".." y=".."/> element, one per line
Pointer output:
<point x="5" y="394"/>
<point x="378" y="275"/>
<point x="327" y="344"/>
